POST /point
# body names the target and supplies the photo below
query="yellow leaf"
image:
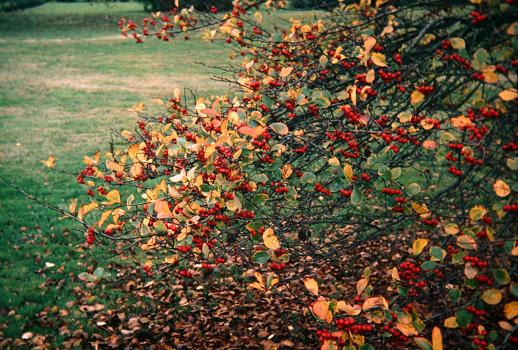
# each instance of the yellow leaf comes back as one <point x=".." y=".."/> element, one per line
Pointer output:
<point x="508" y="95"/>
<point x="342" y="306"/>
<point x="369" y="78"/>
<point x="491" y="296"/>
<point x="286" y="171"/>
<point x="285" y="72"/>
<point x="379" y="59"/>
<point x="404" y="117"/>
<point x="511" y="310"/>
<point x="137" y="108"/>
<point x="162" y="209"/>
<point x="258" y="17"/>
<point x="73" y="206"/>
<point x="501" y="188"/>
<point x="321" y="310"/>
<point x="451" y="322"/>
<point x="477" y="212"/>
<point x="416" y="97"/>
<point x="370" y="303"/>
<point x="451" y="228"/>
<point x="50" y="162"/>
<point x="270" y="240"/>
<point x="311" y="285"/>
<point x="85" y="209"/>
<point x="361" y="285"/>
<point x="436" y="339"/>
<point x="254" y="132"/>
<point x="334" y="161"/>
<point x="280" y="128"/>
<point x="407" y="329"/>
<point x="104" y="217"/>
<point x="395" y="274"/>
<point x="113" y="196"/>
<point x="115" y="167"/>
<point x="234" y="204"/>
<point x="348" y="171"/>
<point x="418" y="245"/>
<point x="369" y="43"/>
<point x="457" y="44"/>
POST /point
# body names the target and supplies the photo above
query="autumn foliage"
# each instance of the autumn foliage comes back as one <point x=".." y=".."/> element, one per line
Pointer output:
<point x="379" y="119"/>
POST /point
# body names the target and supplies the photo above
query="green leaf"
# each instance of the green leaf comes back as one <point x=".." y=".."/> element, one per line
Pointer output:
<point x="501" y="276"/>
<point x="463" y="317"/>
<point x="356" y="197"/>
<point x="429" y="265"/>
<point x="261" y="257"/>
<point x="308" y="177"/>
<point x="423" y="343"/>
<point x="455" y="294"/>
<point x="395" y="173"/>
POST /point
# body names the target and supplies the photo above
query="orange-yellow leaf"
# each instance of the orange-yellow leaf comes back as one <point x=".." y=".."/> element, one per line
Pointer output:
<point x="460" y="122"/>
<point x="508" y="95"/>
<point x="286" y="71"/>
<point x="286" y="171"/>
<point x="361" y="285"/>
<point x="113" y="166"/>
<point x="73" y="206"/>
<point x="321" y="310"/>
<point x="501" y="188"/>
<point x="436" y="339"/>
<point x="511" y="310"/>
<point x="407" y="329"/>
<point x="348" y="171"/>
<point x="342" y="306"/>
<point x="162" y="209"/>
<point x="416" y="97"/>
<point x="370" y="303"/>
<point x="427" y="123"/>
<point x="50" y="162"/>
<point x="429" y="144"/>
<point x="311" y="285"/>
<point x="270" y="240"/>
<point x="451" y="322"/>
<point x="490" y="77"/>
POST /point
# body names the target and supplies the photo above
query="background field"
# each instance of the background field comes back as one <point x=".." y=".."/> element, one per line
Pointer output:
<point x="66" y="78"/>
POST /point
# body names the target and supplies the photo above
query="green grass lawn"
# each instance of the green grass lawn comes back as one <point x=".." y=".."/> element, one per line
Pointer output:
<point x="66" y="79"/>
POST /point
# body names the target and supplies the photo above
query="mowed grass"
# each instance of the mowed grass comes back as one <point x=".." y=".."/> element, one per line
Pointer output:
<point x="66" y="79"/>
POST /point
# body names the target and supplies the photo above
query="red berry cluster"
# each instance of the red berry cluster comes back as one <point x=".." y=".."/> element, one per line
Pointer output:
<point x="279" y="187"/>
<point x="322" y="189"/>
<point x="90" y="236"/>
<point x="185" y="273"/>
<point x="511" y="208"/>
<point x="391" y="191"/>
<point x="345" y="193"/>
<point x="455" y="171"/>
<point x="411" y="274"/>
<point x="184" y="248"/>
<point x="476" y="312"/>
<point x="425" y="89"/>
<point x="477" y="17"/>
<point x="277" y="266"/>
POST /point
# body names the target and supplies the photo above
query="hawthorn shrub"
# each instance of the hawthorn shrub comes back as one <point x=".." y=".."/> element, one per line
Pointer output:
<point x="381" y="118"/>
